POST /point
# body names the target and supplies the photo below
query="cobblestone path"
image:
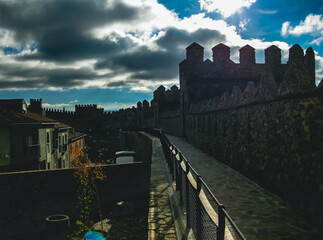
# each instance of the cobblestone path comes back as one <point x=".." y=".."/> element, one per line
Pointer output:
<point x="160" y="220"/>
<point x="258" y="213"/>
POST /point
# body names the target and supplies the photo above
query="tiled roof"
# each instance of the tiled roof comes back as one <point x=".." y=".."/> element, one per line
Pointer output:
<point x="7" y="116"/>
<point x="62" y="125"/>
<point x="75" y="135"/>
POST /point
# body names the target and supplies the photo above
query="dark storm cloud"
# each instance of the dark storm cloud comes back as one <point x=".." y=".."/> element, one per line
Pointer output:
<point x="61" y="32"/>
<point x="75" y="46"/>
<point x="117" y="84"/>
<point x="144" y="64"/>
<point x="61" y="28"/>
<point x="157" y="74"/>
<point x="176" y="37"/>
<point x="146" y="59"/>
<point x="34" y="18"/>
<point x="44" y="78"/>
<point x="161" y="64"/>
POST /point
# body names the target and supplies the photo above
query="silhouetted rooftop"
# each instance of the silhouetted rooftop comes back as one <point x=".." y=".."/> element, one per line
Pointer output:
<point x="7" y="116"/>
<point x="220" y="45"/>
<point x="195" y="45"/>
<point x="247" y="48"/>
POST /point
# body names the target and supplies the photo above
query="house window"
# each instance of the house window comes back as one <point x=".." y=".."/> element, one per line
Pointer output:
<point x="60" y="143"/>
<point x="47" y="138"/>
<point x="48" y="165"/>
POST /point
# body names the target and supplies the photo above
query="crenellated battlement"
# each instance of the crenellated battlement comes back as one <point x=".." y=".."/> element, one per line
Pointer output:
<point x="169" y="95"/>
<point x="203" y="79"/>
<point x="86" y="106"/>
<point x="221" y="55"/>
<point x="59" y="111"/>
<point x="32" y="101"/>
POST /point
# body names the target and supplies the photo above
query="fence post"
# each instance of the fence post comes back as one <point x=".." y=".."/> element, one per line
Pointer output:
<point x="170" y="150"/>
<point x="198" y="208"/>
<point x="174" y="166"/>
<point x="221" y="227"/>
<point x="179" y="186"/>
<point x="170" y="162"/>
<point x="187" y="196"/>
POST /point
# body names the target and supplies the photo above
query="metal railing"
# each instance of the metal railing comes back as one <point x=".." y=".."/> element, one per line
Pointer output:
<point x="205" y="215"/>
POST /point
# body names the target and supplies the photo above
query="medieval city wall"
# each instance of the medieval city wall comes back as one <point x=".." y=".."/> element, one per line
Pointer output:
<point x="277" y="143"/>
<point x="169" y="121"/>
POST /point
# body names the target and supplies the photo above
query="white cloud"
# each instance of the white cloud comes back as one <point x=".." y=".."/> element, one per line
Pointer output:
<point x="317" y="41"/>
<point x="243" y="24"/>
<point x="285" y="29"/>
<point x="313" y="25"/>
<point x="56" y="106"/>
<point x="225" y="7"/>
<point x="268" y="12"/>
<point x="141" y="89"/>
<point x="116" y="106"/>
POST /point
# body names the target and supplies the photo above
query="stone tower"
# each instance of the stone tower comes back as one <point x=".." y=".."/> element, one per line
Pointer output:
<point x="296" y="54"/>
<point x="221" y="54"/>
<point x="247" y="56"/>
<point x="310" y="62"/>
<point x="194" y="53"/>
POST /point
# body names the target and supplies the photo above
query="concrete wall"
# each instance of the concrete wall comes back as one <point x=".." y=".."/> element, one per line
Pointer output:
<point x="27" y="198"/>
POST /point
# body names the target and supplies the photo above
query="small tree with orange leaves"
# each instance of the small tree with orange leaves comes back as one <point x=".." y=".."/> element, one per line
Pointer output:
<point x="86" y="174"/>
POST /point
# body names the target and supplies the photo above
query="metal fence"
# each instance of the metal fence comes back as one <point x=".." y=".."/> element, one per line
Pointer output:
<point x="205" y="215"/>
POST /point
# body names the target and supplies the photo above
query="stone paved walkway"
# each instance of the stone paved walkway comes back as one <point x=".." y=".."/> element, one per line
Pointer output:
<point x="160" y="220"/>
<point x="258" y="213"/>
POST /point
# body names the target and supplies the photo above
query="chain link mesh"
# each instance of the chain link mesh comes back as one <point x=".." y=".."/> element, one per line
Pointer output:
<point x="183" y="192"/>
<point x="192" y="207"/>
<point x="191" y="202"/>
<point x="208" y="227"/>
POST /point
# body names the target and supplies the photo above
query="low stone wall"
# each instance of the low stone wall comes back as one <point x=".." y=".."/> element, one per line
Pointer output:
<point x="141" y="144"/>
<point x="27" y="198"/>
<point x="278" y="144"/>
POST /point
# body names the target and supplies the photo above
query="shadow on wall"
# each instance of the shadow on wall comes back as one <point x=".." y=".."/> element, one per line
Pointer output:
<point x="27" y="198"/>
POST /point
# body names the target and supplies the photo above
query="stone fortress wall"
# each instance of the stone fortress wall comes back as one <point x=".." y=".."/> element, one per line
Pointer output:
<point x="263" y="119"/>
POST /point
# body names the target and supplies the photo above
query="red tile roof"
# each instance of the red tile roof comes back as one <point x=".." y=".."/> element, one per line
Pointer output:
<point x="11" y="117"/>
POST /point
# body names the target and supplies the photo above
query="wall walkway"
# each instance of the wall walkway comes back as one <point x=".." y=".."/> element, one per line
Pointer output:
<point x="160" y="220"/>
<point x="258" y="213"/>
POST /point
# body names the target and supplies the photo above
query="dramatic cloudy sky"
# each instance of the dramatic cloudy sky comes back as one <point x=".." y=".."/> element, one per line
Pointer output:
<point x="116" y="52"/>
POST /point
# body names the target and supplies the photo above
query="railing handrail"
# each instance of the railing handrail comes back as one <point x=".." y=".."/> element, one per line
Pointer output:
<point x="222" y="213"/>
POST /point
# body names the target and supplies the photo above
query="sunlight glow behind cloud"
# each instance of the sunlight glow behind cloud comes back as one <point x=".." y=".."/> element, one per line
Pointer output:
<point x="225" y="7"/>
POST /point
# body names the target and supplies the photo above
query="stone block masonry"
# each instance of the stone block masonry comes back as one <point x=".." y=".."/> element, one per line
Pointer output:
<point x="263" y="119"/>
<point x="277" y="144"/>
